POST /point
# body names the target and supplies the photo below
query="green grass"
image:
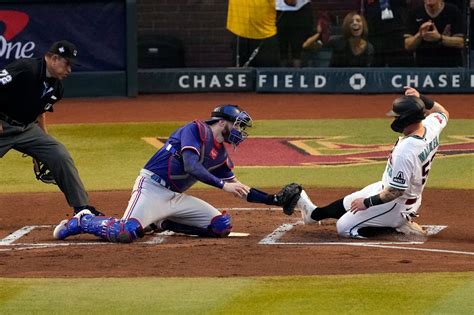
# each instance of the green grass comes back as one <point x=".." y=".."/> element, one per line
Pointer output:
<point x="433" y="293"/>
<point x="109" y="156"/>
<point x="362" y="131"/>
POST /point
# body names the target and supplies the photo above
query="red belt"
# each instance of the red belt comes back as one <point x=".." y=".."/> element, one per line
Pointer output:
<point x="410" y="201"/>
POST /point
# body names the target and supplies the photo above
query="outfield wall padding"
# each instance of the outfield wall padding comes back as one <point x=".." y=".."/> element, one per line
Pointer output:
<point x="306" y="80"/>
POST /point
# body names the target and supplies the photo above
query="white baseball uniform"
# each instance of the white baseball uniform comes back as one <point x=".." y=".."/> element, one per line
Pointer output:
<point x="407" y="169"/>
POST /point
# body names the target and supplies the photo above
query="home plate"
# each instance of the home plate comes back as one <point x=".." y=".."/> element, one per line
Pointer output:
<point x="433" y="229"/>
<point x="238" y="234"/>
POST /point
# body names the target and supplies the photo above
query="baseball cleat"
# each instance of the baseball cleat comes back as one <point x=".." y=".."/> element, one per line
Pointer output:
<point x="69" y="227"/>
<point x="306" y="207"/>
<point x="92" y="209"/>
<point x="153" y="228"/>
<point x="356" y="235"/>
<point x="411" y="228"/>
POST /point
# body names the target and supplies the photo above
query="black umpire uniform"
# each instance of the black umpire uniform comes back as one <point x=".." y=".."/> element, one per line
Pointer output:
<point x="27" y="90"/>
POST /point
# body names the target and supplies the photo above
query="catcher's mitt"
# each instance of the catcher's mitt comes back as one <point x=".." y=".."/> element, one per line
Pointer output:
<point x="288" y="196"/>
<point x="43" y="173"/>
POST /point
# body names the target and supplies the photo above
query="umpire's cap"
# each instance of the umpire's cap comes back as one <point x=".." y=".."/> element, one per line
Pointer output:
<point x="66" y="50"/>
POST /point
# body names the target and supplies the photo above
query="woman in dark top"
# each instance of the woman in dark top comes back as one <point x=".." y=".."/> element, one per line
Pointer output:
<point x="350" y="49"/>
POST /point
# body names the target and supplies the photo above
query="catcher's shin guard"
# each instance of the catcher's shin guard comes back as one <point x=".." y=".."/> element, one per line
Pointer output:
<point x="112" y="229"/>
<point x="220" y="227"/>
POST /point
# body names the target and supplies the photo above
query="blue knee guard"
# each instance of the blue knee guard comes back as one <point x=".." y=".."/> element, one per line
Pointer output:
<point x="221" y="225"/>
<point x="112" y="229"/>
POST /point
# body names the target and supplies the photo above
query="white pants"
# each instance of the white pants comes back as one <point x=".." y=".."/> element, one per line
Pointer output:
<point x="385" y="215"/>
<point x="152" y="203"/>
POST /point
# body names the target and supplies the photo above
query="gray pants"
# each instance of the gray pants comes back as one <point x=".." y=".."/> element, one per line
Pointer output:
<point x="32" y="140"/>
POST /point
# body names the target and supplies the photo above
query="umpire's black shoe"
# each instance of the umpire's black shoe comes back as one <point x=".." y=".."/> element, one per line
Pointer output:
<point x="92" y="209"/>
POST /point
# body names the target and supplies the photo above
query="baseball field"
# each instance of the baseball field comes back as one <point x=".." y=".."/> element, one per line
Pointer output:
<point x="331" y="144"/>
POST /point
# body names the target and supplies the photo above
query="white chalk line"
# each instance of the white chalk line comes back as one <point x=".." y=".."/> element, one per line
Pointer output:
<point x="273" y="239"/>
<point x="21" y="248"/>
<point x="8" y="241"/>
<point x="20" y="233"/>
<point x="434" y="250"/>
<point x="270" y="239"/>
<point x="159" y="238"/>
<point x="380" y="245"/>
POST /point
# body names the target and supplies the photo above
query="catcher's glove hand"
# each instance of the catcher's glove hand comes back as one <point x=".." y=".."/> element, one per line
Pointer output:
<point x="43" y="173"/>
<point x="288" y="196"/>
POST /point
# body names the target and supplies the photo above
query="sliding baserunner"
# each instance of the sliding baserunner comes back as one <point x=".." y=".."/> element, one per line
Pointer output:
<point x="394" y="201"/>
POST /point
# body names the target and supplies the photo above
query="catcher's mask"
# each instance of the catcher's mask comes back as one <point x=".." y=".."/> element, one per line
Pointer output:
<point x="406" y="110"/>
<point x="240" y="119"/>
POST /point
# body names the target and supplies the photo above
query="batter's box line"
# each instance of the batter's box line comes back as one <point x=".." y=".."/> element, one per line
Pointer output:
<point x="158" y="239"/>
<point x="9" y="241"/>
<point x="274" y="239"/>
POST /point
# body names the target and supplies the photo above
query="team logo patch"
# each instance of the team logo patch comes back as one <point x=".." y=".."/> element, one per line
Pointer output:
<point x="400" y="178"/>
<point x="213" y="154"/>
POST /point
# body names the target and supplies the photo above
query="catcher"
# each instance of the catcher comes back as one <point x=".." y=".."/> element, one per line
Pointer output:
<point x="194" y="152"/>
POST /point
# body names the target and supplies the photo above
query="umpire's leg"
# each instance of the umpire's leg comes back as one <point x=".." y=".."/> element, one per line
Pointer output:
<point x="36" y="143"/>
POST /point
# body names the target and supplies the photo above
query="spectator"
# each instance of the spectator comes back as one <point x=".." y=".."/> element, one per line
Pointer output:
<point x="312" y="55"/>
<point x="386" y="21"/>
<point x="294" y="24"/>
<point x="254" y="24"/>
<point x="350" y="49"/>
<point x="413" y="4"/>
<point x="436" y="35"/>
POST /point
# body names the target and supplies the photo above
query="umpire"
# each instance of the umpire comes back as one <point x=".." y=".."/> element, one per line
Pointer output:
<point x="29" y="88"/>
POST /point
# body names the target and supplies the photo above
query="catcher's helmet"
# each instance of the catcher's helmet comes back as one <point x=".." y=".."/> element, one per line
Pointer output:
<point x="236" y="115"/>
<point x="407" y="110"/>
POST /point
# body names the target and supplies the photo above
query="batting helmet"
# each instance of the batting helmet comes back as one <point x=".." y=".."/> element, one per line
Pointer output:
<point x="407" y="110"/>
<point x="236" y="115"/>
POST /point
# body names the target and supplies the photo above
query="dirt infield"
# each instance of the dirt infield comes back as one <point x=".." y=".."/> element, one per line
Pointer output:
<point x="298" y="250"/>
<point x="184" y="107"/>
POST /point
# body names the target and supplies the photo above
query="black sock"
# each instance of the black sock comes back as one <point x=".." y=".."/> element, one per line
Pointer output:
<point x="169" y="225"/>
<point x="374" y="231"/>
<point x="334" y="210"/>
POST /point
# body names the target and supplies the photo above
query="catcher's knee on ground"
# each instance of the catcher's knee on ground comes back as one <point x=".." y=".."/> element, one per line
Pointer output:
<point x="221" y="225"/>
